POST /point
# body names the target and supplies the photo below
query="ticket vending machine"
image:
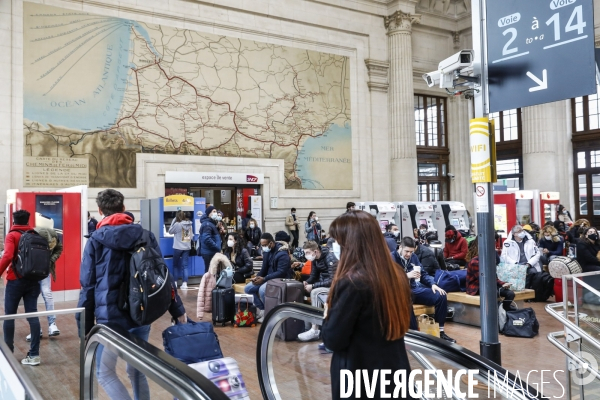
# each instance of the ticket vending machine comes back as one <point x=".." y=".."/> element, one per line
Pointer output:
<point x="549" y="202"/>
<point x="450" y="213"/>
<point x="156" y="215"/>
<point x="412" y="215"/>
<point x="384" y="212"/>
<point x="63" y="213"/>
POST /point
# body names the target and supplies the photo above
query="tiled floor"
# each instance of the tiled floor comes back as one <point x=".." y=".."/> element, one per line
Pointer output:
<point x="300" y="370"/>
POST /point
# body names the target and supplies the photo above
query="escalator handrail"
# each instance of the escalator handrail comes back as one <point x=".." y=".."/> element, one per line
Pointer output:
<point x="171" y="374"/>
<point x="31" y="391"/>
<point x="450" y="351"/>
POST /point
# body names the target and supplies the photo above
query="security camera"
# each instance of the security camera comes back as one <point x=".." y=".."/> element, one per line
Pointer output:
<point x="460" y="60"/>
<point x="450" y="175"/>
<point x="432" y="78"/>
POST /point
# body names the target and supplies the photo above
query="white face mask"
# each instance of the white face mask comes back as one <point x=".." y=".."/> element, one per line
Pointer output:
<point x="266" y="249"/>
<point x="521" y="235"/>
<point x="396" y="233"/>
<point x="309" y="257"/>
<point x="548" y="237"/>
<point x="316" y="218"/>
<point x="251" y="225"/>
<point x="230" y="243"/>
<point x="214" y="216"/>
<point x="336" y="249"/>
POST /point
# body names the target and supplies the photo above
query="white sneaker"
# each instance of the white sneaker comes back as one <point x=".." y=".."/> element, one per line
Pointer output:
<point x="53" y="330"/>
<point x="260" y="315"/>
<point x="309" y="335"/>
<point x="28" y="338"/>
<point x="31" y="360"/>
<point x="184" y="286"/>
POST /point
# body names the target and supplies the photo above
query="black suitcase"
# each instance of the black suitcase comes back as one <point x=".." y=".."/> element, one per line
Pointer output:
<point x="223" y="306"/>
<point x="281" y="291"/>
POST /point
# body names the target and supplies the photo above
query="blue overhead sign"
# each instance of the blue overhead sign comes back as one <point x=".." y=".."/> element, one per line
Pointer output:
<point x="539" y="51"/>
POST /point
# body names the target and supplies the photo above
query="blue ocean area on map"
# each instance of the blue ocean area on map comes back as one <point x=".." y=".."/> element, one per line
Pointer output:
<point x="307" y="169"/>
<point x="99" y="109"/>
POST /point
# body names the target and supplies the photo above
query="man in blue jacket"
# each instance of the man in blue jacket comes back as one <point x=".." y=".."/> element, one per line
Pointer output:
<point x="424" y="289"/>
<point x="104" y="267"/>
<point x="276" y="264"/>
<point x="210" y="239"/>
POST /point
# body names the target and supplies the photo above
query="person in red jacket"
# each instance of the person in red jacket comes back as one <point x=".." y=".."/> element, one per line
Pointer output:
<point x="455" y="250"/>
<point x="17" y="289"/>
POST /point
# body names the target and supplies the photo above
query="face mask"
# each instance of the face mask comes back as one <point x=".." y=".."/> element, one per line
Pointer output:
<point x="396" y="233"/>
<point x="593" y="236"/>
<point x="548" y="237"/>
<point x="316" y="218"/>
<point x="266" y="249"/>
<point x="521" y="235"/>
<point x="251" y="225"/>
<point x="294" y="214"/>
<point x="336" y="249"/>
<point x="309" y="257"/>
<point x="214" y="216"/>
<point x="230" y="243"/>
<point x="423" y="231"/>
<point x="219" y="218"/>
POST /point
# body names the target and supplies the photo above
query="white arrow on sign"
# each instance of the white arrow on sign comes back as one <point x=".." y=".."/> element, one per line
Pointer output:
<point x="542" y="84"/>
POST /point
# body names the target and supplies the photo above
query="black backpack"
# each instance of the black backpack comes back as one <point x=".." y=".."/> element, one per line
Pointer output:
<point x="32" y="261"/>
<point x="148" y="289"/>
<point x="542" y="283"/>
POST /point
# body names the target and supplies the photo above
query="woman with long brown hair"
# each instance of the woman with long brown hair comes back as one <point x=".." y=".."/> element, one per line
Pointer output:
<point x="368" y="307"/>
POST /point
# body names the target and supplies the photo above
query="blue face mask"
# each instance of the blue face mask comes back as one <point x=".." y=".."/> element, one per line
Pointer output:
<point x="336" y="249"/>
<point x="266" y="249"/>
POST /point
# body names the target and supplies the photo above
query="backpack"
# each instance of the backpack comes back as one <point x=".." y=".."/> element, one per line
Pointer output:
<point x="542" y="283"/>
<point x="148" y="289"/>
<point x="447" y="281"/>
<point x="32" y="261"/>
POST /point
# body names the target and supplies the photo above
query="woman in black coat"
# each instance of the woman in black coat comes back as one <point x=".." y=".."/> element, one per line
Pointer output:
<point x="587" y="251"/>
<point x="368" y="308"/>
<point x="240" y="258"/>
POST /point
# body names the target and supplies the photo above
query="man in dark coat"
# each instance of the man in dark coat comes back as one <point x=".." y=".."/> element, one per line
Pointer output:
<point x="392" y="232"/>
<point x="427" y="258"/>
<point x="104" y="267"/>
<point x="210" y="238"/>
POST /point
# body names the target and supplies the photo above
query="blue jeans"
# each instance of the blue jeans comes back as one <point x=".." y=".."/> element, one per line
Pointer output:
<point x="180" y="261"/>
<point x="48" y="299"/>
<point x="29" y="291"/>
<point x="106" y="362"/>
<point x="258" y="292"/>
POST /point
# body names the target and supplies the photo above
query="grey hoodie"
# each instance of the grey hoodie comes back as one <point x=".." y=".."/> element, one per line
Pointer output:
<point x="183" y="234"/>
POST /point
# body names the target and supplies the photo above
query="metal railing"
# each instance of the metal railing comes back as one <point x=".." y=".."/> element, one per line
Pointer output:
<point x="572" y="332"/>
<point x="175" y="377"/>
<point x="422" y="347"/>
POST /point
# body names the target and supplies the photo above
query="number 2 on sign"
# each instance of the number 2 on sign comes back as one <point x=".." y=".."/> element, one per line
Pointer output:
<point x="578" y="26"/>
<point x="505" y="50"/>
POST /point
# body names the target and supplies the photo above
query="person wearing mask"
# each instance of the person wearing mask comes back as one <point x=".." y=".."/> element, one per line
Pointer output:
<point x="562" y="214"/>
<point x="312" y="228"/>
<point x="19" y="288"/>
<point x="561" y="229"/>
<point x="573" y="234"/>
<point x="368" y="307"/>
<point x="520" y="248"/>
<point x="392" y="232"/>
<point x="181" y="229"/>
<point x="210" y="238"/>
<point x="424" y="289"/>
<point x="276" y="264"/>
<point x="455" y="250"/>
<point x="588" y="250"/>
<point x="323" y="267"/>
<point x="240" y="258"/>
<point x="473" y="278"/>
<point x="293" y="225"/>
<point x="551" y="245"/>
<point x="92" y="223"/>
<point x="252" y="236"/>
<point x="427" y="258"/>
<point x="350" y="206"/>
<point x="246" y="220"/>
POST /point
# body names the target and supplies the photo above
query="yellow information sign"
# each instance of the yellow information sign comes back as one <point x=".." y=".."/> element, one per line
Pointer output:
<point x="179" y="200"/>
<point x="479" y="134"/>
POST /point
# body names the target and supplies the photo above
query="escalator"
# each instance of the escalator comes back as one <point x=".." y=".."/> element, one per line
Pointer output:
<point x="285" y="370"/>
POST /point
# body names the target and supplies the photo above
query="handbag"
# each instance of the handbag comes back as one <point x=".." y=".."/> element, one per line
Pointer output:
<point x="306" y="268"/>
<point x="244" y="318"/>
<point x="192" y="342"/>
<point x="225" y="280"/>
<point x="428" y="325"/>
<point x="193" y="251"/>
<point x="225" y="374"/>
<point x="521" y="323"/>
<point x="514" y="274"/>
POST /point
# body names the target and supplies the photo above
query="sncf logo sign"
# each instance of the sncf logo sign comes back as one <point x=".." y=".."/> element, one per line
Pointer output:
<point x="251" y="178"/>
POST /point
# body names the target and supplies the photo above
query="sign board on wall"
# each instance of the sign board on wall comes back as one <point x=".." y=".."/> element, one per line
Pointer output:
<point x="214" y="178"/>
<point x="256" y="208"/>
<point x="479" y="134"/>
<point x="60" y="172"/>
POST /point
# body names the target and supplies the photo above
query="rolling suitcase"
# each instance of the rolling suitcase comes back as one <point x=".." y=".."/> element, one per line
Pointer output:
<point x="223" y="306"/>
<point x="281" y="291"/>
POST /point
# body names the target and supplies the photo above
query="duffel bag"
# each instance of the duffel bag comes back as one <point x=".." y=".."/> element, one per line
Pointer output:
<point x="192" y="342"/>
<point x="521" y="323"/>
<point x="447" y="281"/>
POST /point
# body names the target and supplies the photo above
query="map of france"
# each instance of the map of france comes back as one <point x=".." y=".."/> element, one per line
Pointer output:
<point x="107" y="88"/>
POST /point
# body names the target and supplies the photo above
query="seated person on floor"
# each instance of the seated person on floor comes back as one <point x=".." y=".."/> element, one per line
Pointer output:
<point x="424" y="289"/>
<point x="520" y="248"/>
<point x="473" y="278"/>
<point x="324" y="265"/>
<point x="455" y="250"/>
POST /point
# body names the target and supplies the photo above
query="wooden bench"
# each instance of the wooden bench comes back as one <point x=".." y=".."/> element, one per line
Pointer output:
<point x="239" y="287"/>
<point x="466" y="307"/>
